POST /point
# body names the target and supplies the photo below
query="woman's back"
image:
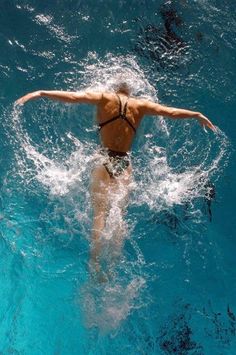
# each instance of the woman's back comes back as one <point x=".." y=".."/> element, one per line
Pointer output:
<point x="118" y="116"/>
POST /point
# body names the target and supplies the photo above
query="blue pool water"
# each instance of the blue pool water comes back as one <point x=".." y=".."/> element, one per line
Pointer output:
<point x="172" y="291"/>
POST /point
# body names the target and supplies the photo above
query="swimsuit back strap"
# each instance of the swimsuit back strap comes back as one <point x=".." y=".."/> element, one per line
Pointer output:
<point x="120" y="105"/>
<point x="108" y="121"/>
<point x="121" y="114"/>
<point x="125" y="108"/>
<point x="131" y="125"/>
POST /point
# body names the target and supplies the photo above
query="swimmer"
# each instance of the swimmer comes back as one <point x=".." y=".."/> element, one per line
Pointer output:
<point x="118" y="117"/>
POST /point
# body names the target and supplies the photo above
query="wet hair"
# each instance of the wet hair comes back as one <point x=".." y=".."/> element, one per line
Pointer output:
<point x="123" y="87"/>
<point x="122" y="84"/>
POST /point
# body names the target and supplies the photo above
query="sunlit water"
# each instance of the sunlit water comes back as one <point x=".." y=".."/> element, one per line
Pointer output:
<point x="169" y="260"/>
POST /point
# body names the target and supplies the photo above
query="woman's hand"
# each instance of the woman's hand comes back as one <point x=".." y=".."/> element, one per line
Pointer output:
<point x="31" y="96"/>
<point x="205" y="122"/>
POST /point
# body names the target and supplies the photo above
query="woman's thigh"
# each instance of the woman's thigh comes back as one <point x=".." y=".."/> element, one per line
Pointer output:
<point x="99" y="189"/>
<point x="120" y="187"/>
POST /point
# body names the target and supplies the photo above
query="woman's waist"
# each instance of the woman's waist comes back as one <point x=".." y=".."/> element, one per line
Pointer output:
<point x="116" y="144"/>
<point x="113" y="153"/>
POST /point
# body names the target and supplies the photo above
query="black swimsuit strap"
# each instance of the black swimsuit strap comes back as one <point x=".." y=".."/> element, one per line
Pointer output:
<point x="121" y="115"/>
<point x="125" y="108"/>
<point x="108" y="121"/>
<point x="131" y="125"/>
<point x="120" y="104"/>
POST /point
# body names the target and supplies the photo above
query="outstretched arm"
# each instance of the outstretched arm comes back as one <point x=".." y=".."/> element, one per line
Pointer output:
<point x="65" y="96"/>
<point x="151" y="108"/>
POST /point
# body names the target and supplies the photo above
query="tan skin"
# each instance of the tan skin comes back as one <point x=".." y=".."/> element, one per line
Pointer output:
<point x="117" y="136"/>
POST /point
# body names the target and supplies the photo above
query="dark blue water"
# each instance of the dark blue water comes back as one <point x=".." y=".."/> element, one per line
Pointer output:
<point x="172" y="291"/>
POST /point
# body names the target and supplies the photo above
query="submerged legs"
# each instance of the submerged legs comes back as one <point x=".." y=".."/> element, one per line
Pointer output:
<point x="99" y="192"/>
<point x="108" y="194"/>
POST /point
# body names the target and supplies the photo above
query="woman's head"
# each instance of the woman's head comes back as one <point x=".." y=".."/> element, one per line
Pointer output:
<point x="121" y="84"/>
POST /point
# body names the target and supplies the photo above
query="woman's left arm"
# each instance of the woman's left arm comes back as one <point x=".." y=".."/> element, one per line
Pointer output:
<point x="65" y="96"/>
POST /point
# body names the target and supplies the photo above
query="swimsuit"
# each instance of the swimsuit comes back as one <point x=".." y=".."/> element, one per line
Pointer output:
<point x="121" y="114"/>
<point x="116" y="162"/>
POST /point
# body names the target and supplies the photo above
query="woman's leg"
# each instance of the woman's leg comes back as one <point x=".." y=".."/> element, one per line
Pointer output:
<point x="99" y="192"/>
<point x="119" y="190"/>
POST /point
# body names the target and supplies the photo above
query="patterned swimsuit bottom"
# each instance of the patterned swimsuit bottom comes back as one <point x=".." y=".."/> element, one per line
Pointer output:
<point x="115" y="162"/>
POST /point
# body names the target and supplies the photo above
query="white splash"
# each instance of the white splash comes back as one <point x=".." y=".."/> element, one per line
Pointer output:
<point x="63" y="169"/>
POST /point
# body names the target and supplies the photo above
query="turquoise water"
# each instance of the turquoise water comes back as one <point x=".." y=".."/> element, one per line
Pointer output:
<point x="172" y="291"/>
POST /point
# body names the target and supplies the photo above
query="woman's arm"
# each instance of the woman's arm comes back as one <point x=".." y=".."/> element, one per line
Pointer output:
<point x="65" y="96"/>
<point x="151" y="108"/>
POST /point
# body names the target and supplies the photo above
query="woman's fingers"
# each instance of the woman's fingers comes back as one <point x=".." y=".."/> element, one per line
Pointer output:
<point x="205" y="122"/>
